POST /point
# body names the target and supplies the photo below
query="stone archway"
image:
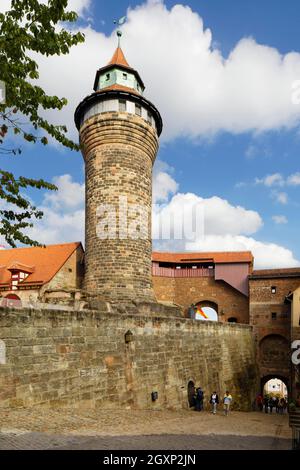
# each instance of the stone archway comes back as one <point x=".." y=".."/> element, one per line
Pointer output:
<point x="266" y="379"/>
<point x="191" y="393"/>
<point x="209" y="308"/>
<point x="274" y="359"/>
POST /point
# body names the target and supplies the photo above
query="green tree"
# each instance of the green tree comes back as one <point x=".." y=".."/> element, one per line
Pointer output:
<point x="29" y="26"/>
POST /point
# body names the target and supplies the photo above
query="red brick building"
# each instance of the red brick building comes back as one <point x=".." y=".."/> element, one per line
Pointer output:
<point x="270" y="315"/>
<point x="218" y="280"/>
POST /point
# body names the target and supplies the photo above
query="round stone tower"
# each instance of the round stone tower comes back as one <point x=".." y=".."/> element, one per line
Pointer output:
<point x="119" y="132"/>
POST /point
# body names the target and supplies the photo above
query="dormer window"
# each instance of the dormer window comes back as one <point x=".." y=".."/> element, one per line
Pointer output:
<point x="16" y="278"/>
<point x="107" y="77"/>
<point x="19" y="272"/>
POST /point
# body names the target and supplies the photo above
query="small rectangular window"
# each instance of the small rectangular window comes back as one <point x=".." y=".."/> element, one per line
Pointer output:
<point x="273" y="289"/>
<point x="122" y="105"/>
<point x="149" y="117"/>
<point x="274" y="315"/>
<point x="125" y="76"/>
<point x="138" y="110"/>
<point x="107" y="76"/>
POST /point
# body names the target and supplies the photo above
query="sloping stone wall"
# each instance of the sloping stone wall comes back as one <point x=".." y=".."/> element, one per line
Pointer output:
<point x="57" y="358"/>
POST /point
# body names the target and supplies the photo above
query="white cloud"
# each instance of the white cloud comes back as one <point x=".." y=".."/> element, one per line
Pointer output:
<point x="163" y="186"/>
<point x="80" y="6"/>
<point x="64" y="213"/>
<point x="280" y="197"/>
<point x="69" y="194"/>
<point x="294" y="180"/>
<point x="225" y="225"/>
<point x="248" y="91"/>
<point x="280" y="219"/>
<point x="5" y="5"/>
<point x="266" y="255"/>
<point x="276" y="179"/>
<point x="215" y="215"/>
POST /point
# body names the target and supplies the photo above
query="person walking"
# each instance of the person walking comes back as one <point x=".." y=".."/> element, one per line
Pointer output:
<point x="227" y="402"/>
<point x="199" y="399"/>
<point x="260" y="402"/>
<point x="266" y="403"/>
<point x="214" y="401"/>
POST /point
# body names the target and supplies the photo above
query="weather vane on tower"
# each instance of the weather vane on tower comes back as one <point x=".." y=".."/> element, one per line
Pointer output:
<point x="120" y="22"/>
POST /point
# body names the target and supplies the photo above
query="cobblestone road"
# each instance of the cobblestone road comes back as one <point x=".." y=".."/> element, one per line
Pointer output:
<point x="129" y="429"/>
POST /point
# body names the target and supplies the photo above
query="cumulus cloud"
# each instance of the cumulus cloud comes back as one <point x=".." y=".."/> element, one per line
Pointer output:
<point x="294" y="180"/>
<point x="280" y="219"/>
<point x="250" y="90"/>
<point x="64" y="213"/>
<point x="163" y="185"/>
<point x="266" y="255"/>
<point x="80" y="6"/>
<point x="276" y="179"/>
<point x="69" y="195"/>
<point x="225" y="226"/>
<point x="191" y="216"/>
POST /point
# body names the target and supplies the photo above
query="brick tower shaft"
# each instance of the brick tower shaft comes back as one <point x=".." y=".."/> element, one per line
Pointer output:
<point x="119" y="131"/>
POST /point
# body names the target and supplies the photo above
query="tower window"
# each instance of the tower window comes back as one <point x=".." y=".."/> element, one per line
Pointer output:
<point x="122" y="105"/>
<point x="138" y="110"/>
<point x="125" y="76"/>
<point x="273" y="289"/>
<point x="138" y="87"/>
<point x="107" y="76"/>
<point x="149" y="117"/>
<point x="274" y="315"/>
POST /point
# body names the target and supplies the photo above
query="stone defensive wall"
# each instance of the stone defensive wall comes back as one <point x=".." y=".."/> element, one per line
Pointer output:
<point x="91" y="358"/>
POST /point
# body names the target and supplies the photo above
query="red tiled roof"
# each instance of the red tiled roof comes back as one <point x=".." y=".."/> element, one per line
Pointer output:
<point x="44" y="261"/>
<point x="281" y="272"/>
<point x="210" y="257"/>
<point x="118" y="58"/>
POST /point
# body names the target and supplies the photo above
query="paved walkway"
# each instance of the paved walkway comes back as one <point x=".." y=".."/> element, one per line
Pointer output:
<point x="128" y="429"/>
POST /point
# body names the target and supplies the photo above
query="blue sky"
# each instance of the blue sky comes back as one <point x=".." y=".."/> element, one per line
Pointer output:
<point x="224" y="151"/>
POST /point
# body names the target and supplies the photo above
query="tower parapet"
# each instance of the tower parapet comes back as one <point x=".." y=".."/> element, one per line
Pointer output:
<point x="119" y="132"/>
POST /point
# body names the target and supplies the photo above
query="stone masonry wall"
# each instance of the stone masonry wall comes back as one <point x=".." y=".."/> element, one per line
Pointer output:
<point x="272" y="335"/>
<point x="70" y="276"/>
<point x="56" y="358"/>
<point x="119" y="150"/>
<point x="185" y="291"/>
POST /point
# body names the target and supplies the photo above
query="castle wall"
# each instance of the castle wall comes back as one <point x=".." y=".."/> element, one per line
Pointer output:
<point x="185" y="291"/>
<point x="272" y="333"/>
<point x="56" y="358"/>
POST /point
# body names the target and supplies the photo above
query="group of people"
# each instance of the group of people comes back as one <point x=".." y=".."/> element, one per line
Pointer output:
<point x="267" y="403"/>
<point x="214" y="401"/>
